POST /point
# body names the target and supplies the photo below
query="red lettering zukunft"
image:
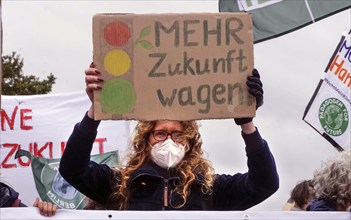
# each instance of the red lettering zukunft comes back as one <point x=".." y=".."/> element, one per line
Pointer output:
<point x="99" y="141"/>
<point x="6" y="163"/>
<point x="38" y="151"/>
<point x="24" y="118"/>
<point x="34" y="149"/>
<point x="45" y="151"/>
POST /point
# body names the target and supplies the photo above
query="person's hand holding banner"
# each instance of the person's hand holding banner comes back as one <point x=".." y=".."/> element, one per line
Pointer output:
<point x="256" y="89"/>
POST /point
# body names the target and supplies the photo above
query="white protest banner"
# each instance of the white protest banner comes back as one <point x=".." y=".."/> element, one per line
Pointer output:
<point x="33" y="213"/>
<point x="41" y="124"/>
<point x="328" y="111"/>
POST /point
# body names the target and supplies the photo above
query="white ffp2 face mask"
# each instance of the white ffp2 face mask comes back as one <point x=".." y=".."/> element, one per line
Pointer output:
<point x="167" y="154"/>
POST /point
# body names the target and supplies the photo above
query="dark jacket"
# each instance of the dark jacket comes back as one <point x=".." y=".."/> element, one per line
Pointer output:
<point x="9" y="197"/>
<point x="321" y="204"/>
<point x="148" y="184"/>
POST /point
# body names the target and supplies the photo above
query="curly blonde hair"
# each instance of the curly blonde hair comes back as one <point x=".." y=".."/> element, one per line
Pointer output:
<point x="333" y="180"/>
<point x="192" y="166"/>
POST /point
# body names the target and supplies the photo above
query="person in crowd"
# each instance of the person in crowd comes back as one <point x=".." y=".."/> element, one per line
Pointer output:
<point x="9" y="197"/>
<point x="288" y="205"/>
<point x="166" y="169"/>
<point x="332" y="184"/>
<point x="301" y="195"/>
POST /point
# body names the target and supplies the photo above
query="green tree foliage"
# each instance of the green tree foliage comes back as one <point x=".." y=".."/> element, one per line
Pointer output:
<point x="14" y="82"/>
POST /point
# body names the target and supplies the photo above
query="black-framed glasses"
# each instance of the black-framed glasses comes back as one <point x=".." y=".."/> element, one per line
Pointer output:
<point x="161" y="135"/>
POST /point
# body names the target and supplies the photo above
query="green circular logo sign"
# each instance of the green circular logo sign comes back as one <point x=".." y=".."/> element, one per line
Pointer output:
<point x="333" y="117"/>
<point x="58" y="190"/>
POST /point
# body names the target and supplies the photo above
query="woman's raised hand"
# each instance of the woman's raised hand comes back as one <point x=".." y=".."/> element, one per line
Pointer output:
<point x="93" y="82"/>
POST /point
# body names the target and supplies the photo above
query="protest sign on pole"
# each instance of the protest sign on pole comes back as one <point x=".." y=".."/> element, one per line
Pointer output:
<point x="329" y="109"/>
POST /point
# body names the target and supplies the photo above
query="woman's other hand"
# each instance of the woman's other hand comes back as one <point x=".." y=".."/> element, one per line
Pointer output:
<point x="45" y="208"/>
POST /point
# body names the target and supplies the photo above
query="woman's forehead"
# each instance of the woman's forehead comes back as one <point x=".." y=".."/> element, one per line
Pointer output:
<point x="168" y="125"/>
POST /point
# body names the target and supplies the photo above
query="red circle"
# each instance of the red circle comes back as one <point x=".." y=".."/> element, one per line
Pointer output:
<point x="116" y="33"/>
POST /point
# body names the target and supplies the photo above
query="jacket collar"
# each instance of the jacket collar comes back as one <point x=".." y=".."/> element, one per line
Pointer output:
<point x="153" y="170"/>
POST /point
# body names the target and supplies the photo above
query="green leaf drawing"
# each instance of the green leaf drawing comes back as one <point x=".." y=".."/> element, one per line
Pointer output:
<point x="145" y="44"/>
<point x="144" y="32"/>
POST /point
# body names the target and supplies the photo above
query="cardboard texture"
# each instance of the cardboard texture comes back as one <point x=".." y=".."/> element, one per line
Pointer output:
<point x="173" y="66"/>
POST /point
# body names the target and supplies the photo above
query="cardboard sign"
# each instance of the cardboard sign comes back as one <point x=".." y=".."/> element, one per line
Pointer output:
<point x="173" y="66"/>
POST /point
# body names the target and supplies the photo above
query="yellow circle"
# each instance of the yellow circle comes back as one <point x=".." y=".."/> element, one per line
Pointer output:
<point x="117" y="62"/>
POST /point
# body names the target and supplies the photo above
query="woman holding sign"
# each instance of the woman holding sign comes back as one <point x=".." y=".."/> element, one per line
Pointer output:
<point x="167" y="169"/>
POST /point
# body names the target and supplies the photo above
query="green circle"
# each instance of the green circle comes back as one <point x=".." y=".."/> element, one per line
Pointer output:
<point x="118" y="96"/>
<point x="333" y="116"/>
<point x="55" y="188"/>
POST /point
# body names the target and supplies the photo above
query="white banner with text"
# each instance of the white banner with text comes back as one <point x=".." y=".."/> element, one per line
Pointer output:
<point x="41" y="125"/>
